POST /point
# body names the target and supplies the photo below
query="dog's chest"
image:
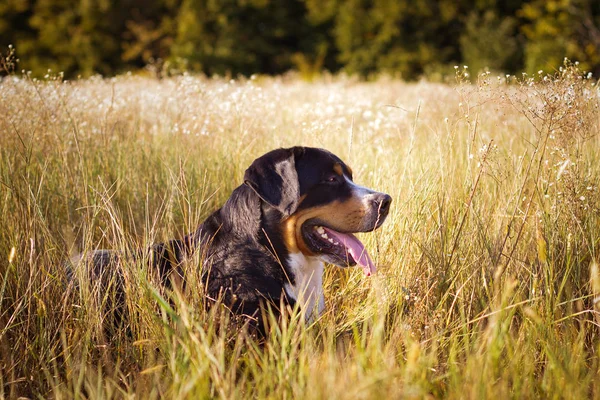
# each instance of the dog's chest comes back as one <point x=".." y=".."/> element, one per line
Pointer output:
<point x="307" y="289"/>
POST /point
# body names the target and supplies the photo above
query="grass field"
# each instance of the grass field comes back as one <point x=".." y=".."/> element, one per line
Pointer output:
<point x="488" y="282"/>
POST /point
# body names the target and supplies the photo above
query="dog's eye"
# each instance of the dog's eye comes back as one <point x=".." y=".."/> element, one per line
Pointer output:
<point x="331" y="179"/>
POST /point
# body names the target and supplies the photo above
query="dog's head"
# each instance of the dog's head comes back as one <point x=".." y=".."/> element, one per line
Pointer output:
<point x="320" y="205"/>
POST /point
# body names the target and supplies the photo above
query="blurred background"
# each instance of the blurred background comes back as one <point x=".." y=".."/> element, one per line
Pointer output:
<point x="409" y="39"/>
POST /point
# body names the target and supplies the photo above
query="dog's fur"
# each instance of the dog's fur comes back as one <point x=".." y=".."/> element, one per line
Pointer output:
<point x="262" y="246"/>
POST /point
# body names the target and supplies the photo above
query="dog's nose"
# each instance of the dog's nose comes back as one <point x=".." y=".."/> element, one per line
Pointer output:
<point x="382" y="202"/>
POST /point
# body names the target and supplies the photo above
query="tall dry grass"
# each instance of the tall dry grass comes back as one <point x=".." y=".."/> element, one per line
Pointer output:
<point x="488" y="277"/>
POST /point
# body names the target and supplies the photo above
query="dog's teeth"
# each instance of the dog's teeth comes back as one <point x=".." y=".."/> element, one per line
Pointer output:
<point x="324" y="236"/>
<point x="320" y="229"/>
<point x="336" y="243"/>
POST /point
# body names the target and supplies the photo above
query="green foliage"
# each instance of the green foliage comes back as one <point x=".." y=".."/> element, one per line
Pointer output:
<point x="237" y="36"/>
<point x="397" y="37"/>
<point x="229" y="37"/>
<point x="72" y="36"/>
<point x="149" y="32"/>
<point x="561" y="29"/>
<point x="489" y="42"/>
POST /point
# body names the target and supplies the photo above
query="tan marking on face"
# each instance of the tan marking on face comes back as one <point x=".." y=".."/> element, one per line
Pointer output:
<point x="337" y="168"/>
<point x="288" y="229"/>
<point x="292" y="240"/>
<point x="346" y="216"/>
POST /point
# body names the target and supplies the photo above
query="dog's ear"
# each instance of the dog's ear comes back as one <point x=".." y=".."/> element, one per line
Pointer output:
<point x="274" y="178"/>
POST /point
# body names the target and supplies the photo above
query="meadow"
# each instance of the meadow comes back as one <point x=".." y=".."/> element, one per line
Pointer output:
<point x="488" y="283"/>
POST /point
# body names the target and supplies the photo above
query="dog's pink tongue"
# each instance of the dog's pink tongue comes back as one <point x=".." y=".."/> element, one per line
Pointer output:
<point x="356" y="249"/>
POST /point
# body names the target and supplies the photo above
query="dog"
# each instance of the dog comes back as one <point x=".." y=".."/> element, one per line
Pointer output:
<point x="296" y="210"/>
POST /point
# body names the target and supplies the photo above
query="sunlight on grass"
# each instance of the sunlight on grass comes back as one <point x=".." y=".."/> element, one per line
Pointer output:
<point x="488" y="276"/>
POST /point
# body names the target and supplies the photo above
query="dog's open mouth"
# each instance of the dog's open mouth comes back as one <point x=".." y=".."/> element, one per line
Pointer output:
<point x="338" y="248"/>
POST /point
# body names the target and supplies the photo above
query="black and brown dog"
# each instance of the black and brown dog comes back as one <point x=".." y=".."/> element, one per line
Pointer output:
<point x="296" y="210"/>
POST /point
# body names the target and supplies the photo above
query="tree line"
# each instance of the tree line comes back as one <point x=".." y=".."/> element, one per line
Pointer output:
<point x="405" y="38"/>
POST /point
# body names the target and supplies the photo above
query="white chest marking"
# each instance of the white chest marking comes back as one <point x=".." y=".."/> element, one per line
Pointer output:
<point x="307" y="289"/>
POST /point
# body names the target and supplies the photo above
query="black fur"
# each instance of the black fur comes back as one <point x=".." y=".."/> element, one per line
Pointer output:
<point x="242" y="253"/>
